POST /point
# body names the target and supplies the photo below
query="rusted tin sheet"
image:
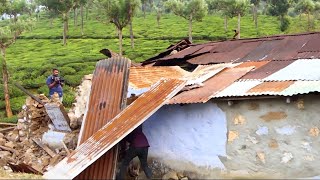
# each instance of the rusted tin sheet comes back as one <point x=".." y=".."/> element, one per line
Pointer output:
<point x="211" y="87"/>
<point x="262" y="52"/>
<point x="185" y="52"/>
<point x="107" y="99"/>
<point x="308" y="55"/>
<point x="266" y="70"/>
<point x="145" y="77"/>
<point x="313" y="45"/>
<point x="302" y="87"/>
<point x="23" y="168"/>
<point x="238" y="89"/>
<point x="59" y="118"/>
<point x="303" y="69"/>
<point x="289" y="48"/>
<point x="115" y="130"/>
<point x="270" y="87"/>
<point x="179" y="46"/>
<point x="255" y="64"/>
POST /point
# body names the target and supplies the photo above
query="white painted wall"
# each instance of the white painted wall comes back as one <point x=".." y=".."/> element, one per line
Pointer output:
<point x="193" y="133"/>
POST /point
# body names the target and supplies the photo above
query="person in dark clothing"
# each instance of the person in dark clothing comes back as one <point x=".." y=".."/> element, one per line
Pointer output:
<point x="139" y="146"/>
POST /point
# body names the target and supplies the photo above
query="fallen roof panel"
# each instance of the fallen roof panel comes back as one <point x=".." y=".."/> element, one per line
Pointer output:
<point x="113" y="132"/>
<point x="211" y="87"/>
<point x="145" y="77"/>
<point x="106" y="100"/>
<point x="298" y="70"/>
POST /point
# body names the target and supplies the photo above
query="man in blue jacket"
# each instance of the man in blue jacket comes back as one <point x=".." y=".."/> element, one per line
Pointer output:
<point x="55" y="83"/>
<point x="139" y="146"/>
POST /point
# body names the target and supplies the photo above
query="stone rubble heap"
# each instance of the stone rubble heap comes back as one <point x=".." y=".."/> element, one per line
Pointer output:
<point x="18" y="146"/>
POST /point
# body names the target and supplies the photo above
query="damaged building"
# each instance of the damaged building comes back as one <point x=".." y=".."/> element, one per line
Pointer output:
<point x="244" y="107"/>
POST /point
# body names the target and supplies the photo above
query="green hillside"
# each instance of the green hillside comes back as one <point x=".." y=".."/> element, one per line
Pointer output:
<point x="35" y="53"/>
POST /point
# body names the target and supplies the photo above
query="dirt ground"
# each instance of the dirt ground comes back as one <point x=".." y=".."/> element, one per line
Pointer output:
<point x="8" y="175"/>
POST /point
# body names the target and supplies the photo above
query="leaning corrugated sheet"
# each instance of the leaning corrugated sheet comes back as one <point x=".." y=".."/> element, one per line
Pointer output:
<point x="211" y="87"/>
<point x="298" y="70"/>
<point x="107" y="99"/>
<point x="113" y="132"/>
<point x="145" y="77"/>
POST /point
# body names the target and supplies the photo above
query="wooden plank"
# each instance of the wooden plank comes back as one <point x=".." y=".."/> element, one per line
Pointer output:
<point x="8" y="149"/>
<point x="57" y="117"/>
<point x="44" y="147"/>
<point x="28" y="93"/>
<point x="7" y="124"/>
<point x="7" y="129"/>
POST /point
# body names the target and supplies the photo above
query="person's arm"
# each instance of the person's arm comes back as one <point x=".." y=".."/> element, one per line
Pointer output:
<point x="52" y="84"/>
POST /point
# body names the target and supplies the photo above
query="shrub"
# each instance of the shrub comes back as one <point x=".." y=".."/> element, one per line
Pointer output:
<point x="66" y="70"/>
<point x="13" y="119"/>
<point x="17" y="103"/>
<point x="74" y="80"/>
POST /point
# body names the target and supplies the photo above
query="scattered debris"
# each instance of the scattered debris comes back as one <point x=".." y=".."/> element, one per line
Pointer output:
<point x="22" y="148"/>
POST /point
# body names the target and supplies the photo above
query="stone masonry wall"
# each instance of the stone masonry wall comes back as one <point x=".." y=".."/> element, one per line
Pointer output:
<point x="273" y="137"/>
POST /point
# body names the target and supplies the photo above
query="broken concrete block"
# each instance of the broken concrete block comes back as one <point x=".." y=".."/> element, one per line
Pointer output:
<point x="10" y="144"/>
<point x="2" y="141"/>
<point x="53" y="139"/>
<point x="22" y="133"/>
<point x="5" y="154"/>
<point x="1" y="135"/>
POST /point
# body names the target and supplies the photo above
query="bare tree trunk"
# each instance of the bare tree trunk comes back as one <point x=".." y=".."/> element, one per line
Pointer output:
<point x="5" y="83"/>
<point x="256" y="17"/>
<point x="225" y="23"/>
<point x="144" y="6"/>
<point x="120" y="41"/>
<point x="239" y="24"/>
<point x="65" y="29"/>
<point x="190" y="28"/>
<point x="81" y="13"/>
<point x="309" y="26"/>
<point x="75" y="17"/>
<point x="158" y="18"/>
<point x="51" y="22"/>
<point x="131" y="34"/>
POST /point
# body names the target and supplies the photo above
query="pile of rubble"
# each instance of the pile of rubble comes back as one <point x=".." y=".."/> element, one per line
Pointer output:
<point x="28" y="146"/>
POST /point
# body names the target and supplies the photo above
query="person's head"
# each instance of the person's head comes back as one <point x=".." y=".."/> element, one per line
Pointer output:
<point x="55" y="72"/>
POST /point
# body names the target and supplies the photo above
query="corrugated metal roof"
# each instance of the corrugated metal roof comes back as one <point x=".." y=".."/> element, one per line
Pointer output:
<point x="204" y="72"/>
<point x="308" y="55"/>
<point x="274" y="87"/>
<point x="298" y="70"/>
<point x="113" y="132"/>
<point x="302" y="87"/>
<point x="283" y="47"/>
<point x="313" y="45"/>
<point x="239" y="88"/>
<point x="262" y="51"/>
<point x="266" y="70"/>
<point x="211" y="86"/>
<point x="107" y="99"/>
<point x="145" y="77"/>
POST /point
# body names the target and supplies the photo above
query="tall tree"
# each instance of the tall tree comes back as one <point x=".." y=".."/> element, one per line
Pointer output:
<point x="8" y="35"/>
<point x="280" y="8"/>
<point x="62" y="7"/>
<point x="158" y="7"/>
<point x="82" y="4"/>
<point x="15" y="8"/>
<point x="237" y="8"/>
<point x="134" y="5"/>
<point x="255" y="4"/>
<point x="191" y="10"/>
<point x="118" y="12"/>
<point x="307" y="7"/>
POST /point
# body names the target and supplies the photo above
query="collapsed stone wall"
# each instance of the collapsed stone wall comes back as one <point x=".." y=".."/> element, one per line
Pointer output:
<point x="18" y="146"/>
